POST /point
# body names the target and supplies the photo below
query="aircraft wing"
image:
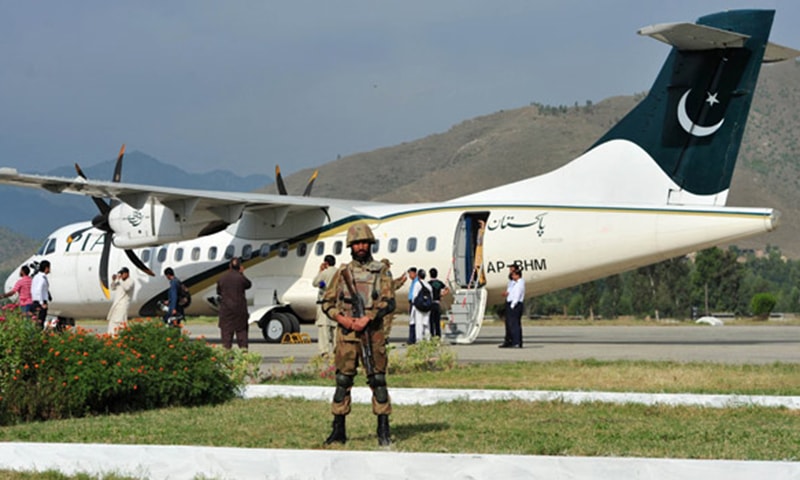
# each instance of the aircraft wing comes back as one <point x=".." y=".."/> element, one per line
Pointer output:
<point x="136" y="195"/>
<point x="225" y="205"/>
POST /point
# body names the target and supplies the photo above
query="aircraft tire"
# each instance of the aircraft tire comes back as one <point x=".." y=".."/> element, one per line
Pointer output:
<point x="294" y="321"/>
<point x="277" y="324"/>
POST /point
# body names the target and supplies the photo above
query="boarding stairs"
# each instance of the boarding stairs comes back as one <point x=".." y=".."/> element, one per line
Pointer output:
<point x="465" y="315"/>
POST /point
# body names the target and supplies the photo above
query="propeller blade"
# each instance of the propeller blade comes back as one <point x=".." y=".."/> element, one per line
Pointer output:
<point x="310" y="184"/>
<point x="101" y="204"/>
<point x="279" y="181"/>
<point x="80" y="172"/>
<point x="104" y="265"/>
<point x="118" y="167"/>
<point x="138" y="263"/>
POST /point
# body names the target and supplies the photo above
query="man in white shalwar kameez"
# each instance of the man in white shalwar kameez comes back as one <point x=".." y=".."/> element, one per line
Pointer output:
<point x="122" y="291"/>
<point x="420" y="320"/>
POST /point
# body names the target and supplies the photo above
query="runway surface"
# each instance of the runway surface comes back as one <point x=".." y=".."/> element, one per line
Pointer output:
<point x="772" y="342"/>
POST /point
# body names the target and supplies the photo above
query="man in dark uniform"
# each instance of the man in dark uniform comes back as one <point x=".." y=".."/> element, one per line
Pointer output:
<point x="233" y="305"/>
<point x="372" y="281"/>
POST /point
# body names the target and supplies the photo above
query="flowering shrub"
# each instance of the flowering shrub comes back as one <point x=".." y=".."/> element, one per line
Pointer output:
<point x="423" y="356"/>
<point x="242" y="366"/>
<point x="78" y="372"/>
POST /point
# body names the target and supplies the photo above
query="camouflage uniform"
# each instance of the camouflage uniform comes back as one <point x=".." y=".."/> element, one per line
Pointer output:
<point x="374" y="283"/>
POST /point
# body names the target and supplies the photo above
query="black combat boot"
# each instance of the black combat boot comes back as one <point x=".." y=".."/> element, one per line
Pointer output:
<point x="338" y="433"/>
<point x="384" y="438"/>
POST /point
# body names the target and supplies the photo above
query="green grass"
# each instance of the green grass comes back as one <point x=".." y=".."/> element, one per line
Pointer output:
<point x="507" y="427"/>
<point x="615" y="376"/>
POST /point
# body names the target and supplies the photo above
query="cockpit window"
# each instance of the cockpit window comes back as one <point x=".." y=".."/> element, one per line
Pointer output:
<point x="43" y="247"/>
<point x="51" y="246"/>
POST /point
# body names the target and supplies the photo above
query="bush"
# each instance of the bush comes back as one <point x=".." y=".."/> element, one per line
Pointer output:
<point x="423" y="356"/>
<point x="45" y="375"/>
<point x="762" y="304"/>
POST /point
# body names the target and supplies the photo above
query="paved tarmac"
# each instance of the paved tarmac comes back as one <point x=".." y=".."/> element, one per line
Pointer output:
<point x="772" y="342"/>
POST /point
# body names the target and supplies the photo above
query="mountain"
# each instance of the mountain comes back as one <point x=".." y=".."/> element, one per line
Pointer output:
<point x="506" y="146"/>
<point x="14" y="248"/>
<point x="478" y="154"/>
<point x="36" y="214"/>
<point x="143" y="169"/>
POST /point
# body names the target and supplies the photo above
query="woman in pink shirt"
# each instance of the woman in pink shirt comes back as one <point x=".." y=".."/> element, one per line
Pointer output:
<point x="23" y="289"/>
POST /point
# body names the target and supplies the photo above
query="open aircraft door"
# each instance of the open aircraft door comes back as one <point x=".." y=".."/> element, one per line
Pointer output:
<point x="469" y="297"/>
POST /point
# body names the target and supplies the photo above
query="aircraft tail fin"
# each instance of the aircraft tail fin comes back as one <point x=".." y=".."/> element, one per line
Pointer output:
<point x="679" y="145"/>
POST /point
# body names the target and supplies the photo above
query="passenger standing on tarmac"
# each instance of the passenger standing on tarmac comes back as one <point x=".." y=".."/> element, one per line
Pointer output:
<point x="174" y="314"/>
<point x="122" y="286"/>
<point x="515" y="304"/>
<point x="40" y="293"/>
<point x="421" y="320"/>
<point x="22" y="288"/>
<point x="371" y="281"/>
<point x="325" y="326"/>
<point x="233" y="315"/>
<point x="438" y="290"/>
<point x="412" y="334"/>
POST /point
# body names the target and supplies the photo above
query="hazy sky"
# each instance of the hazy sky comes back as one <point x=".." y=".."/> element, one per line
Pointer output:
<point x="243" y="85"/>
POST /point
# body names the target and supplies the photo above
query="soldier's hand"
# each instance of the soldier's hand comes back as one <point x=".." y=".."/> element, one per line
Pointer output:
<point x="345" y="320"/>
<point x="360" y="323"/>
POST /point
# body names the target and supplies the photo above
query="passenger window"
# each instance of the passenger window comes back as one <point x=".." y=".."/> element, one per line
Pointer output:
<point x="411" y="245"/>
<point x="145" y="255"/>
<point x="283" y="249"/>
<point x="264" y="250"/>
<point x="376" y="246"/>
<point x="319" y="248"/>
<point x="302" y="249"/>
<point x="195" y="254"/>
<point x="430" y="244"/>
<point x="162" y="255"/>
<point x="337" y="247"/>
<point x="230" y="250"/>
<point x="393" y="245"/>
<point x="247" y="252"/>
<point x="178" y="254"/>
<point x="212" y="253"/>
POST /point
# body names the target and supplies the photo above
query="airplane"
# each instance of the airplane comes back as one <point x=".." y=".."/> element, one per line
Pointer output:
<point x="652" y="188"/>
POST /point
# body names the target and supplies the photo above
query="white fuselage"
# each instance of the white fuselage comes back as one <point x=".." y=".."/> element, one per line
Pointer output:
<point x="557" y="247"/>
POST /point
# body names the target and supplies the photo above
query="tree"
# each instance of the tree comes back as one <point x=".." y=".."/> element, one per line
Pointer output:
<point x="716" y="281"/>
<point x="762" y="305"/>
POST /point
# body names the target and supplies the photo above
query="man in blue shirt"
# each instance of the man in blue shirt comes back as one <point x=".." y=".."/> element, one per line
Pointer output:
<point x="174" y="314"/>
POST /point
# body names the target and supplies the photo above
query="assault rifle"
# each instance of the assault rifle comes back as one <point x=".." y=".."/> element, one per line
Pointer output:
<point x="357" y="302"/>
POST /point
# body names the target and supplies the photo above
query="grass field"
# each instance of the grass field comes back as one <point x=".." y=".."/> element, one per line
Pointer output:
<point x="512" y="427"/>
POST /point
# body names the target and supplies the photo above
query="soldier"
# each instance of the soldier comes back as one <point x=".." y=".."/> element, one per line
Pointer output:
<point x="371" y="281"/>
